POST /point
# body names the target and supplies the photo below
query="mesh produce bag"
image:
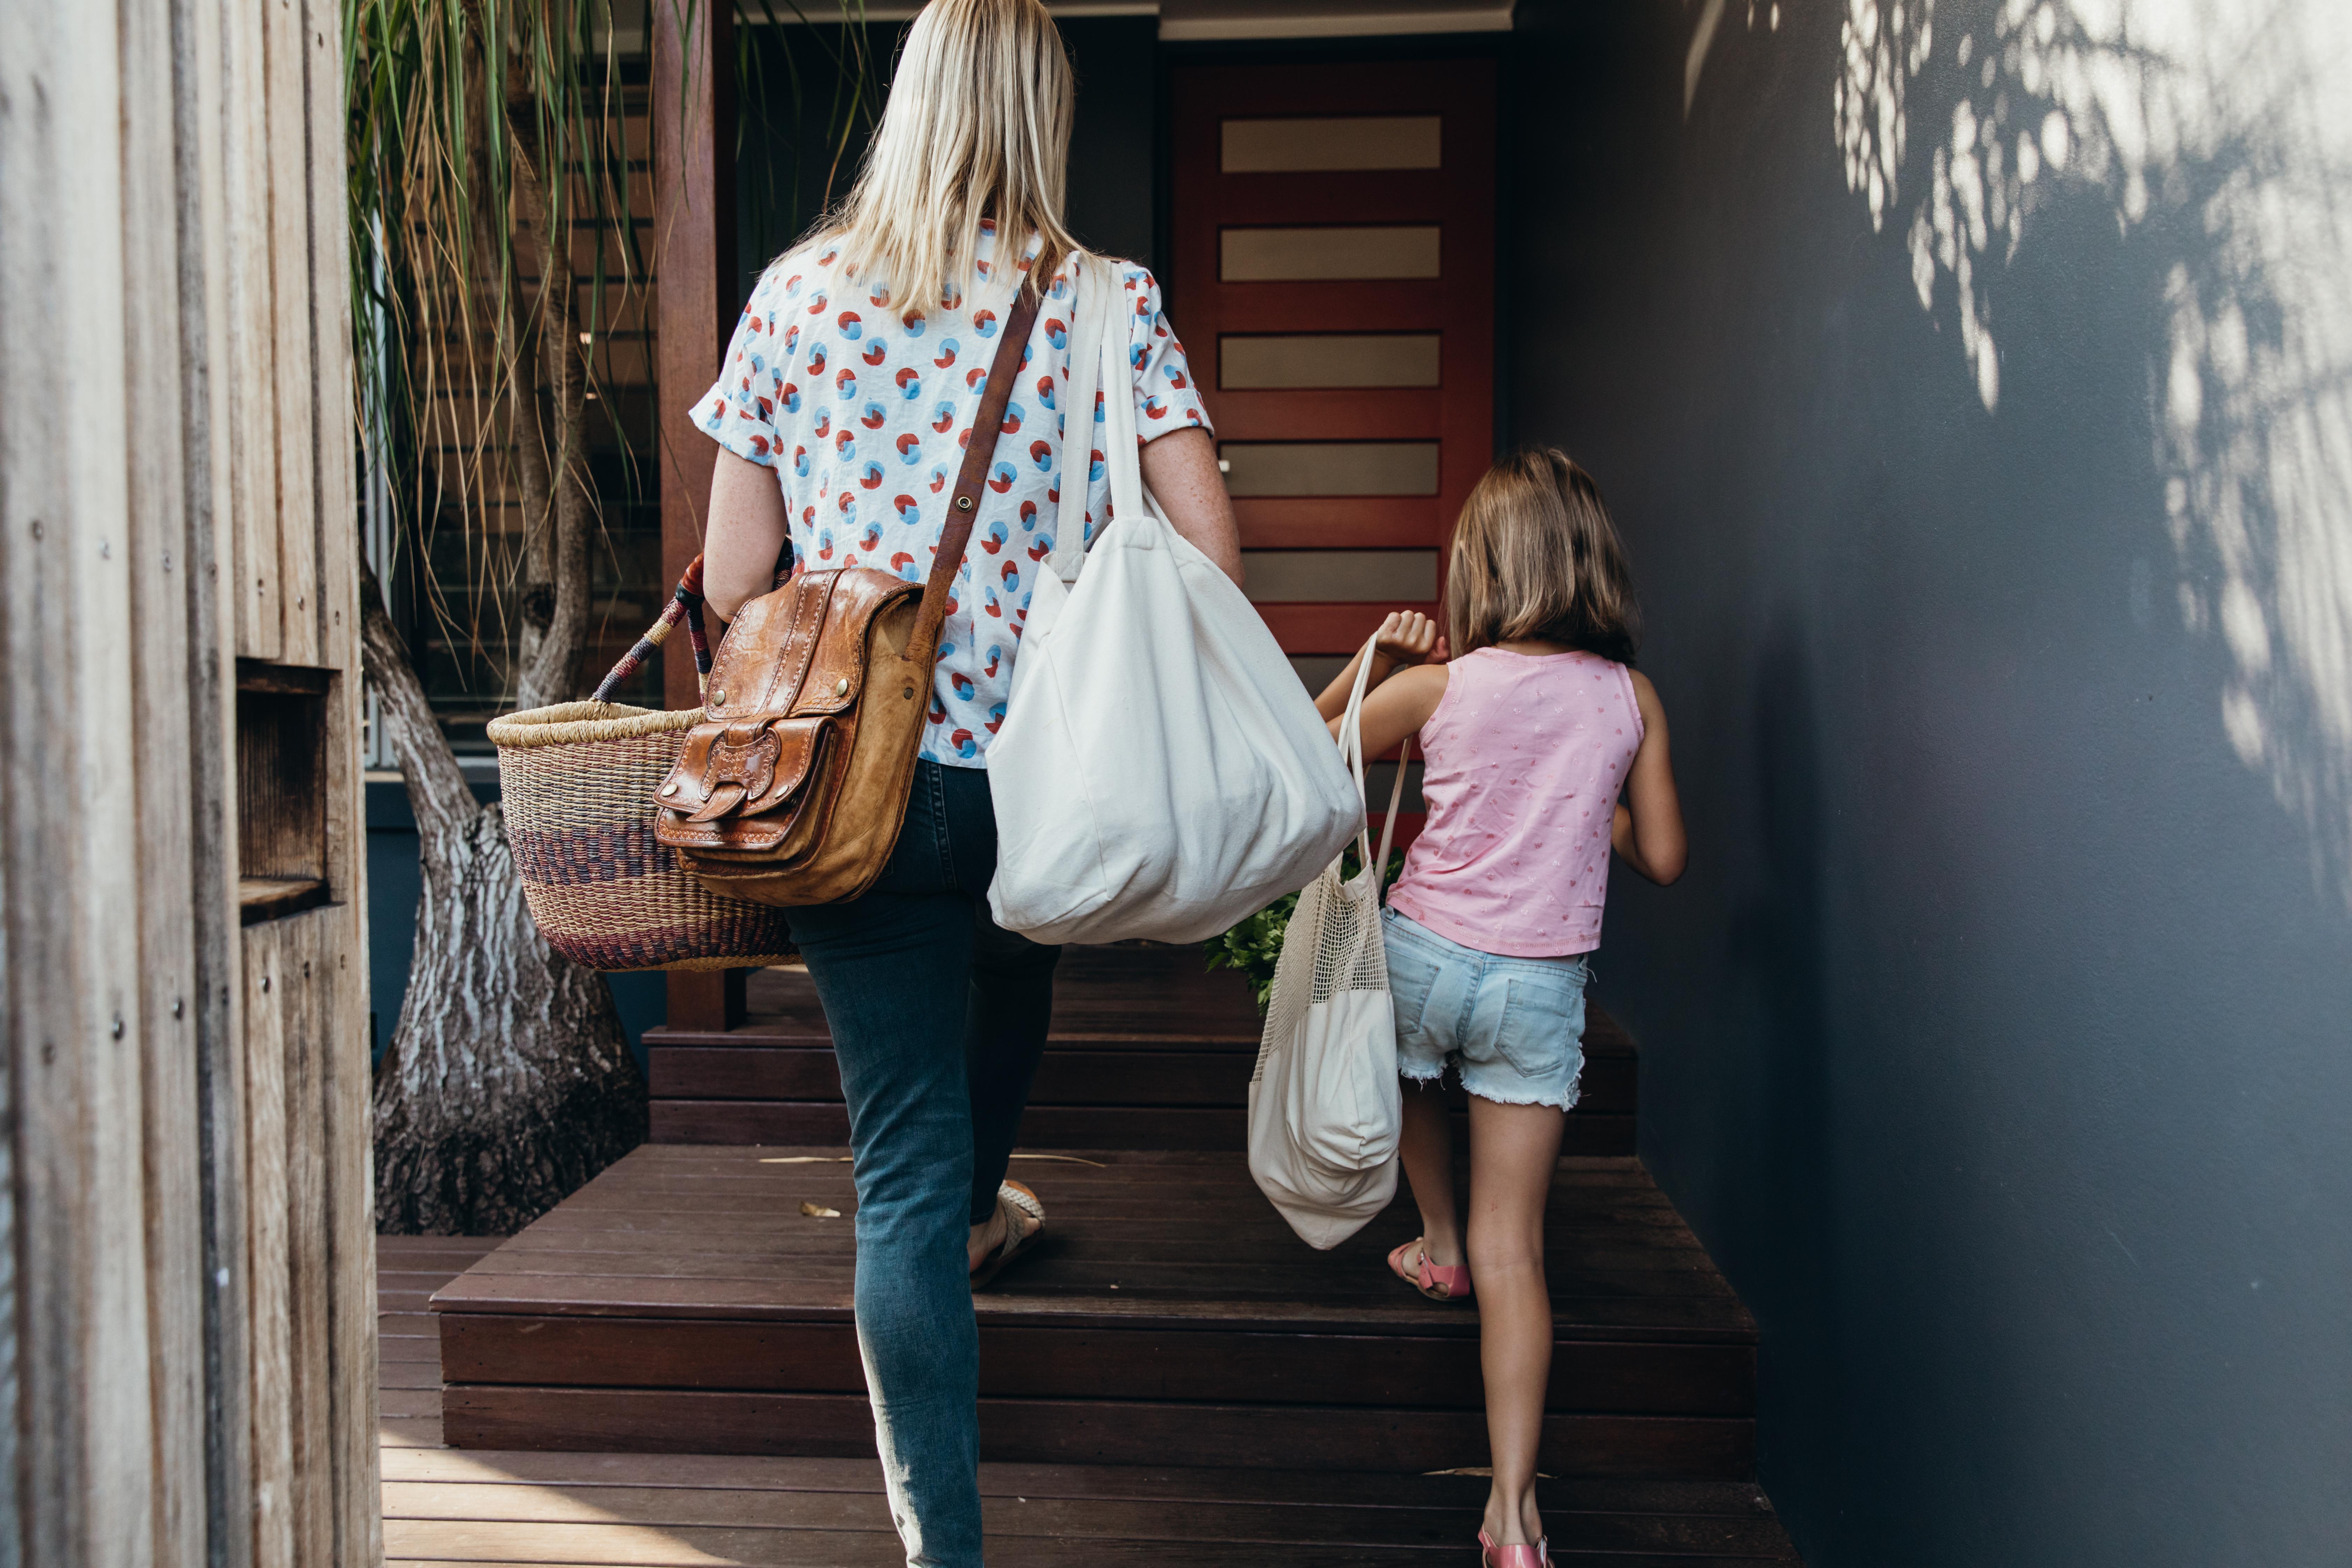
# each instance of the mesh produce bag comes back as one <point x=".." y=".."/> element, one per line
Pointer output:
<point x="1325" y="1108"/>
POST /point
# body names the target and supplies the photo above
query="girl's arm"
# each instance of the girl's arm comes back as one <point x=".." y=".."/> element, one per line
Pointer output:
<point x="1649" y="834"/>
<point x="1398" y="704"/>
<point x="746" y="534"/>
<point x="1407" y="636"/>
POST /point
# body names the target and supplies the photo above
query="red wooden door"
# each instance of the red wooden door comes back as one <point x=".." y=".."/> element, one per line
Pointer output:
<point x="1334" y="280"/>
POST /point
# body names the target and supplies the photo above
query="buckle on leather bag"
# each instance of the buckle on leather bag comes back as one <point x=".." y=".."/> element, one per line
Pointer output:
<point x="742" y="766"/>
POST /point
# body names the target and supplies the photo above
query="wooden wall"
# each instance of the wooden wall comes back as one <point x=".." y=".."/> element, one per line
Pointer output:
<point x="187" y="1355"/>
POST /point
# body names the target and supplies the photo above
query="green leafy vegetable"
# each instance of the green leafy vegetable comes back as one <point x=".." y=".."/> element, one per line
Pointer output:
<point x="1254" y="945"/>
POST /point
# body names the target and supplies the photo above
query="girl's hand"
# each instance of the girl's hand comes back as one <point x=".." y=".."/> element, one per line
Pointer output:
<point x="1408" y="637"/>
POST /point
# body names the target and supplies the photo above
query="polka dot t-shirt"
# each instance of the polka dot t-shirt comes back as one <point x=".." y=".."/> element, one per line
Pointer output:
<point x="1524" y="759"/>
<point x="864" y="407"/>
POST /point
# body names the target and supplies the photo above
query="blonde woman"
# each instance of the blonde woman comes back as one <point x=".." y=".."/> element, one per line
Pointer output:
<point x="845" y="407"/>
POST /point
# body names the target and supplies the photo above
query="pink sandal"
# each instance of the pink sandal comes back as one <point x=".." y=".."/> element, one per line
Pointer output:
<point x="1435" y="1281"/>
<point x="1518" y="1555"/>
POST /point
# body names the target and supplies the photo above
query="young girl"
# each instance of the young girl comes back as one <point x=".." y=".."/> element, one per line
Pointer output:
<point x="1530" y="735"/>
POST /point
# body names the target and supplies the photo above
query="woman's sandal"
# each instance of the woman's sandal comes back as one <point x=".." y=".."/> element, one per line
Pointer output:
<point x="1020" y="1209"/>
<point x="1518" y="1555"/>
<point x="1433" y="1280"/>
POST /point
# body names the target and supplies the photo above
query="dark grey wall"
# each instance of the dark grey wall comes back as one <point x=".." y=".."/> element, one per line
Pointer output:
<point x="1999" y="1042"/>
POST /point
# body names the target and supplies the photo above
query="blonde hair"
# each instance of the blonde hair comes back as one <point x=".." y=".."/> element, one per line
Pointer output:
<point x="1535" y="556"/>
<point x="977" y="126"/>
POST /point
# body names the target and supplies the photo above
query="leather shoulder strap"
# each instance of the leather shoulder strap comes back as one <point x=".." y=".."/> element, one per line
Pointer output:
<point x="963" y="505"/>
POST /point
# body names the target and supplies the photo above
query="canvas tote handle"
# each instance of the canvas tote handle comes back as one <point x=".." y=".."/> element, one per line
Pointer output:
<point x="1351" y="742"/>
<point x="1120" y="446"/>
<point x="1090" y="278"/>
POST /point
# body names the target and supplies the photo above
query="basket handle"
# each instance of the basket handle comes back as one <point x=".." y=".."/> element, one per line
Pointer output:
<point x="685" y="604"/>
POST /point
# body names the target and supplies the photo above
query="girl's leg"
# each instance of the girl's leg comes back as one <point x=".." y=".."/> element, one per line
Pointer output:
<point x="1514" y="1151"/>
<point x="1426" y="1148"/>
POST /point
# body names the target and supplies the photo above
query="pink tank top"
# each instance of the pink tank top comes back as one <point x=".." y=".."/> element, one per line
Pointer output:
<point x="1524" y="758"/>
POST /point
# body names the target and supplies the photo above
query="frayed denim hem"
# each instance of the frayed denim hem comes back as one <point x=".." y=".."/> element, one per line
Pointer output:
<point x="1575" y="1092"/>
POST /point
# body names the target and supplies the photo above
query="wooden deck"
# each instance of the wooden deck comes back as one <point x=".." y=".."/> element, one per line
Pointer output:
<point x="445" y="1508"/>
<point x="1172" y="1377"/>
<point x="686" y="1299"/>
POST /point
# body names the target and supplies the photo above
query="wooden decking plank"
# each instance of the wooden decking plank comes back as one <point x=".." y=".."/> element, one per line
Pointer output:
<point x="1013" y="1518"/>
<point x="852" y="1549"/>
<point x="418" y="1432"/>
<point x="409" y="1376"/>
<point x="1690" y="1319"/>
<point x="1309" y="1369"/>
<point x="1303" y="1489"/>
<point x="1094" y="1431"/>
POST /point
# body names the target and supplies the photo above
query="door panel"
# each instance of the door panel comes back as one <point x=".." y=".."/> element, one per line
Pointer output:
<point x="1334" y="260"/>
<point x="1321" y="360"/>
<point x="1332" y="251"/>
<point x="1326" y="144"/>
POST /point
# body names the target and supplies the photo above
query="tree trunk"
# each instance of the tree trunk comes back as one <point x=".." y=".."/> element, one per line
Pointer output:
<point x="561" y="523"/>
<point x="509" y="1082"/>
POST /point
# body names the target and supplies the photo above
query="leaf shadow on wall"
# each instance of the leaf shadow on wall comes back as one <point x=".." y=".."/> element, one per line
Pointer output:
<point x="2218" y="139"/>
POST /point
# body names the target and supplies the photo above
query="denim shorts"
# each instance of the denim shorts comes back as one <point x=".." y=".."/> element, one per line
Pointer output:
<point x="1514" y="1026"/>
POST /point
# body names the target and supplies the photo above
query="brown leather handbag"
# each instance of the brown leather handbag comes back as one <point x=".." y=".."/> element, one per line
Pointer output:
<point x="793" y="787"/>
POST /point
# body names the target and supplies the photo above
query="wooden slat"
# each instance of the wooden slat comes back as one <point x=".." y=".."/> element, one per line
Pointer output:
<point x="1206" y="1484"/>
<point x="1104" y="1077"/>
<point x="1330" y="628"/>
<point x="167" y="652"/>
<point x="1021" y="1518"/>
<point x="1354" y="522"/>
<point x="693" y="204"/>
<point x="267" y="1246"/>
<point x="1091" y="1432"/>
<point x="247" y="442"/>
<point x="345" y="1126"/>
<point x="308" y="1007"/>
<point x="285" y="51"/>
<point x="1023" y="1362"/>
<point x="73" y="1314"/>
<point x="1042" y="1126"/>
<point x="1359" y="413"/>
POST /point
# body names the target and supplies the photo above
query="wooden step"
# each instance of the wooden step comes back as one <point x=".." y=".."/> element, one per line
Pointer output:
<point x="1149" y="1049"/>
<point x="683" y="1301"/>
<point x="443" y="1505"/>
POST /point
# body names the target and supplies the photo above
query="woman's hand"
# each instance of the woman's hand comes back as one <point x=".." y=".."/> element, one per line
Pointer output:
<point x="1406" y="637"/>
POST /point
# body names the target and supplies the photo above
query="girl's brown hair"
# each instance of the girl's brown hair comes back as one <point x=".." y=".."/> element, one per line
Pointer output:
<point x="1535" y="555"/>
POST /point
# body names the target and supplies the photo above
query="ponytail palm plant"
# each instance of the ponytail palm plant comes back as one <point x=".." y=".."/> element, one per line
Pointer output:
<point x="495" y="243"/>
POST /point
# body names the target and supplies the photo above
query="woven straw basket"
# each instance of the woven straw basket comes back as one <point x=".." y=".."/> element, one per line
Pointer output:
<point x="577" y="784"/>
<point x="577" y="781"/>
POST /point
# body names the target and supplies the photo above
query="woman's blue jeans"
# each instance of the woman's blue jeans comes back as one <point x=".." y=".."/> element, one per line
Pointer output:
<point x="939" y="1016"/>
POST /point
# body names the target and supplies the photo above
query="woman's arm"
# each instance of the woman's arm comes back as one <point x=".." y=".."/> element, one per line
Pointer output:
<point x="748" y="520"/>
<point x="1180" y="469"/>
<point x="1649" y="834"/>
<point x="745" y="534"/>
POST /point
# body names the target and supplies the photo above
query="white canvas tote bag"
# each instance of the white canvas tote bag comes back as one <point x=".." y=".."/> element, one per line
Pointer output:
<point x="1325" y="1108"/>
<point x="1161" y="773"/>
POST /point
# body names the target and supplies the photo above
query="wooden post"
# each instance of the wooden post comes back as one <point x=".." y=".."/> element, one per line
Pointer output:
<point x="187" y="1340"/>
<point x="695" y="306"/>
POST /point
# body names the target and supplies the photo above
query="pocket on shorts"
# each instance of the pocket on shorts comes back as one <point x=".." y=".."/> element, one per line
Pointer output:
<point x="1412" y="975"/>
<point x="1543" y="1020"/>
